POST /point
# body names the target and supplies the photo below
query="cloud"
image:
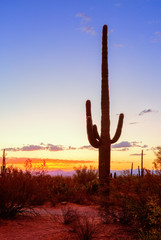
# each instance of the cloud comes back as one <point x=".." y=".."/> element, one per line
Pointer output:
<point x="124" y="144"/>
<point x="136" y="154"/>
<point x="133" y="123"/>
<point x="88" y="147"/>
<point x="146" y="111"/>
<point x="117" y="4"/>
<point x="29" y="148"/>
<point x="118" y="45"/>
<point x="84" y="17"/>
<point x="158" y="34"/>
<point x="71" y="148"/>
<point x="121" y="149"/>
<point x="84" y="20"/>
<point x="88" y="29"/>
<point x="12" y="149"/>
<point x="54" y="148"/>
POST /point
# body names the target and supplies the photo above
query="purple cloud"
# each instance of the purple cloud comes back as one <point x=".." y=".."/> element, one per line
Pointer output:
<point x="146" y="111"/>
<point x="136" y="154"/>
<point x="124" y="144"/>
<point x="88" y="147"/>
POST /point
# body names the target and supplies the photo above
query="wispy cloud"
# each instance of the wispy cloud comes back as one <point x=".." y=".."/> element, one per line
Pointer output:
<point x="88" y="147"/>
<point x="125" y="145"/>
<point x="88" y="29"/>
<point x="84" y="17"/>
<point x="136" y="154"/>
<point x="158" y="34"/>
<point x="156" y="38"/>
<point x="42" y="146"/>
<point x="84" y="24"/>
<point x="117" y="4"/>
<point x="146" y="111"/>
<point x="133" y="123"/>
<point x="121" y="149"/>
<point x="118" y="45"/>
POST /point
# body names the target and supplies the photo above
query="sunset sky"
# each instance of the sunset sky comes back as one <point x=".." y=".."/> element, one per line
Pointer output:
<point x="50" y="64"/>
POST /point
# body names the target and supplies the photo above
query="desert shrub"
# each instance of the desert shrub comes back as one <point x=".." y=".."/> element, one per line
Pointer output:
<point x="41" y="185"/>
<point x="16" y="191"/>
<point x="69" y="215"/>
<point x="85" y="228"/>
<point x="83" y="175"/>
<point x="88" y="178"/>
<point x="62" y="189"/>
<point x="136" y="201"/>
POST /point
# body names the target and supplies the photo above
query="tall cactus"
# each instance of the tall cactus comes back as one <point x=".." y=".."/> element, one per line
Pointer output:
<point x="103" y="142"/>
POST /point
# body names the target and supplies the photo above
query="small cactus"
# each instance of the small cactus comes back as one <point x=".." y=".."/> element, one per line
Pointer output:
<point x="138" y="171"/>
<point x="131" y="168"/>
<point x="103" y="141"/>
<point x="3" y="167"/>
<point x="142" y="168"/>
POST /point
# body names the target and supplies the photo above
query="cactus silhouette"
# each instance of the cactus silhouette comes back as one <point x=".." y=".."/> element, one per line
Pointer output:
<point x="3" y="167"/>
<point x="103" y="142"/>
<point x="131" y="168"/>
<point x="142" y="168"/>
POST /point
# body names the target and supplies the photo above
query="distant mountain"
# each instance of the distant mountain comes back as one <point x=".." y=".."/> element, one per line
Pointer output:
<point x="60" y="172"/>
<point x="66" y="173"/>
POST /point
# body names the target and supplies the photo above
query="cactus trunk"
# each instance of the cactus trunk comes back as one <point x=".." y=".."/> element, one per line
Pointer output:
<point x="103" y="142"/>
<point x="104" y="150"/>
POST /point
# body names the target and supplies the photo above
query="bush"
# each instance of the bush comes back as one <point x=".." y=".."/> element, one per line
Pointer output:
<point x="16" y="191"/>
<point x="85" y="228"/>
<point x="136" y="201"/>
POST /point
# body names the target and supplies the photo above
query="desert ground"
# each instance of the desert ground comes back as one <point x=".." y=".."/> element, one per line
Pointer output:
<point x="47" y="223"/>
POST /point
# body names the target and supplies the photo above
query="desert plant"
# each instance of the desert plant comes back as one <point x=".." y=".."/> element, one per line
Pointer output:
<point x="103" y="142"/>
<point x="3" y="167"/>
<point x="69" y="215"/>
<point x="16" y="191"/>
<point x="157" y="161"/>
<point x="85" y="228"/>
<point x="86" y="178"/>
<point x="142" y="167"/>
<point x="138" y="171"/>
<point x="131" y="168"/>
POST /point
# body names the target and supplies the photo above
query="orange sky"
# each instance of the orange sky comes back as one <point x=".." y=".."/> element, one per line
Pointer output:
<point x="119" y="161"/>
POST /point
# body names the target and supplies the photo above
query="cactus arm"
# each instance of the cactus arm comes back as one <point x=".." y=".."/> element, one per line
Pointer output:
<point x="93" y="141"/>
<point x="119" y="129"/>
<point x="92" y="132"/>
<point x="95" y="132"/>
<point x="88" y="108"/>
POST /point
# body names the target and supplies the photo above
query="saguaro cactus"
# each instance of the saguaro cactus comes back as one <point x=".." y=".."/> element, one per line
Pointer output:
<point x="3" y="167"/>
<point x="103" y="142"/>
<point x="142" y="168"/>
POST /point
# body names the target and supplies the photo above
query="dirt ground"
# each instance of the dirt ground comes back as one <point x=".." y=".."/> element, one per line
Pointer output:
<point x="48" y="224"/>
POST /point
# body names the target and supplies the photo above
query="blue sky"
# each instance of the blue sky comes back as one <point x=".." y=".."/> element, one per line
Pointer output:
<point x="51" y="64"/>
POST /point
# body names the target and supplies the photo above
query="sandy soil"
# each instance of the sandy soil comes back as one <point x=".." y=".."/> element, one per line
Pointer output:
<point x="48" y="225"/>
